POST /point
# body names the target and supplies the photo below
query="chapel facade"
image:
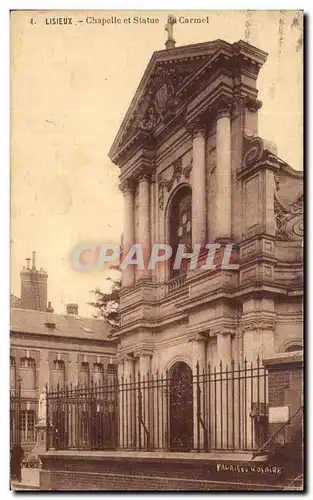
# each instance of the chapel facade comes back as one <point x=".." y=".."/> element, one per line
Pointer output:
<point x="193" y="170"/>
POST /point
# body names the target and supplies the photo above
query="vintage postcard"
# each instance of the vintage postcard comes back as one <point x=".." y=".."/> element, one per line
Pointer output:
<point x="156" y="326"/>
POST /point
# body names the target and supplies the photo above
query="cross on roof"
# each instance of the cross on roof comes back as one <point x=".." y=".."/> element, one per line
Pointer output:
<point x="169" y="27"/>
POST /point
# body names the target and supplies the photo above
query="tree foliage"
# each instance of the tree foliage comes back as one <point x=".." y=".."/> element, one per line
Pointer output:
<point x="107" y="305"/>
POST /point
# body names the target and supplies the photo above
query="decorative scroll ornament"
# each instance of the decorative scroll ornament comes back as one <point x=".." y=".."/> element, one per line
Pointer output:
<point x="253" y="150"/>
<point x="289" y="220"/>
<point x="253" y="104"/>
<point x="257" y="325"/>
<point x="138" y="353"/>
<point x="222" y="330"/>
<point x="187" y="170"/>
<point x="169" y="183"/>
<point x="127" y="186"/>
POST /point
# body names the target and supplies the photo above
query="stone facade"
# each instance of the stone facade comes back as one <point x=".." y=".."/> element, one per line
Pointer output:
<point x="193" y="124"/>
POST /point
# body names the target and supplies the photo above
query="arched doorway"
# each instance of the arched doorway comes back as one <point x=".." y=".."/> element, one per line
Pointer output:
<point x="181" y="408"/>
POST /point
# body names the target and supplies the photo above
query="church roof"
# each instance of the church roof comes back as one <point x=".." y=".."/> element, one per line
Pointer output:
<point x="171" y="76"/>
<point x="61" y="325"/>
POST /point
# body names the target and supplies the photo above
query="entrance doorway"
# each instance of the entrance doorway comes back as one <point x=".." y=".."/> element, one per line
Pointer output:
<point x="181" y="408"/>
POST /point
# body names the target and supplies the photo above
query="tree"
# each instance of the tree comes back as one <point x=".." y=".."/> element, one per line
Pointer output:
<point x="107" y="305"/>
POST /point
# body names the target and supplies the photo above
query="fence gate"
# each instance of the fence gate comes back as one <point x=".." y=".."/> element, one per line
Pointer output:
<point x="181" y="408"/>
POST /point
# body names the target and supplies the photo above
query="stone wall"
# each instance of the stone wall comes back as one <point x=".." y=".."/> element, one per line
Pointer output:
<point x="118" y="471"/>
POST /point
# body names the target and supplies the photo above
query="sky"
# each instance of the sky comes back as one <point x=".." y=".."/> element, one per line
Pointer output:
<point x="71" y="86"/>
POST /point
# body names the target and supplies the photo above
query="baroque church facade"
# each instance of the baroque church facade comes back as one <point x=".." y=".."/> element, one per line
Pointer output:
<point x="194" y="170"/>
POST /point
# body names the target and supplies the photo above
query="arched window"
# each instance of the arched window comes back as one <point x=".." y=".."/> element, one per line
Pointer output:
<point x="97" y="373"/>
<point x="12" y="372"/>
<point x="84" y="373"/>
<point x="28" y="373"/>
<point x="58" y="373"/>
<point x="180" y="227"/>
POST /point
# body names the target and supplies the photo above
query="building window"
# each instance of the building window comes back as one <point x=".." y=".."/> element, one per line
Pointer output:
<point x="58" y="365"/>
<point x="27" y="373"/>
<point x="28" y="363"/>
<point x="27" y="428"/>
<point x="58" y="373"/>
<point x="97" y="373"/>
<point x="180" y="227"/>
<point x="84" y="373"/>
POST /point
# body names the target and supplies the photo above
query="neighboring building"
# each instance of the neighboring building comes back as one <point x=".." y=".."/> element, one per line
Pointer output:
<point x="193" y="170"/>
<point x="54" y="349"/>
<point x="33" y="287"/>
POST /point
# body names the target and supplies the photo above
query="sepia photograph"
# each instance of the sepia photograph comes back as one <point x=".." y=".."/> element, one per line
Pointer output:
<point x="156" y="250"/>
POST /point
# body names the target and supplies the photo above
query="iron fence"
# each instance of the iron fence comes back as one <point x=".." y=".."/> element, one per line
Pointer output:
<point x="216" y="408"/>
<point x="15" y="416"/>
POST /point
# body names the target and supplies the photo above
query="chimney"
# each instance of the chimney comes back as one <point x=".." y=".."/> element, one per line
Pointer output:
<point x="50" y="308"/>
<point x="72" y="309"/>
<point x="34" y="261"/>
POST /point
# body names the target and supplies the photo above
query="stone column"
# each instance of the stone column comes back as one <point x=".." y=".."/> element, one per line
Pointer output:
<point x="198" y="187"/>
<point x="128" y="277"/>
<point x="223" y="174"/>
<point x="144" y="222"/>
<point x="224" y="353"/>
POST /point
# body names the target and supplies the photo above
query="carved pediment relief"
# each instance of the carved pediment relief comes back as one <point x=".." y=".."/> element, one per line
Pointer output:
<point x="289" y="219"/>
<point x="160" y="98"/>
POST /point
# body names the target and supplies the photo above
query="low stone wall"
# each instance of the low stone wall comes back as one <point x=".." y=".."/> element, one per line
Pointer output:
<point x="285" y="388"/>
<point x="114" y="471"/>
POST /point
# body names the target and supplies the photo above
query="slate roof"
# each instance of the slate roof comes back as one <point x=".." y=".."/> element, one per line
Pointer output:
<point x="28" y="321"/>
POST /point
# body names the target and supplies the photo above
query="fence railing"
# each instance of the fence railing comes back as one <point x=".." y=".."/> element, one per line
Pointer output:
<point x="15" y="416"/>
<point x="216" y="408"/>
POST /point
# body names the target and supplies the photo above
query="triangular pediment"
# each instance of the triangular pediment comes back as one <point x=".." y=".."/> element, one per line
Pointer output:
<point x="157" y="95"/>
<point x="170" y="76"/>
